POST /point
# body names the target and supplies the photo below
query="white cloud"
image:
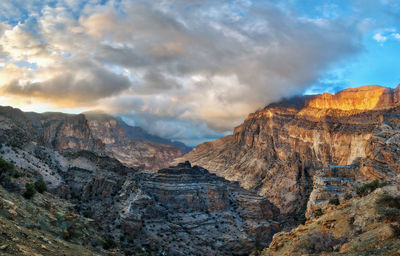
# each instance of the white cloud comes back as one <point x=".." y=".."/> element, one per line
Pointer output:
<point x="396" y="36"/>
<point x="380" y="38"/>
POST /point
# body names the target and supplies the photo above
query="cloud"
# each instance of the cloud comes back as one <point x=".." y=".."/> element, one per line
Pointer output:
<point x="204" y="62"/>
<point x="77" y="83"/>
<point x="396" y="36"/>
<point x="380" y="38"/>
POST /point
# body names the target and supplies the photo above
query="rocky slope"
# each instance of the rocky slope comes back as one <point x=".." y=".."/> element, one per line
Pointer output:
<point x="359" y="226"/>
<point x="99" y="133"/>
<point x="284" y="151"/>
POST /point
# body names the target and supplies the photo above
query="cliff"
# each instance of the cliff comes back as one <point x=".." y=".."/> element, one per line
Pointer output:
<point x="281" y="150"/>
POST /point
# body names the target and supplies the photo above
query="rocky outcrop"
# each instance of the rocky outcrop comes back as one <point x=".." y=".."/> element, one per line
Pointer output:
<point x="278" y="150"/>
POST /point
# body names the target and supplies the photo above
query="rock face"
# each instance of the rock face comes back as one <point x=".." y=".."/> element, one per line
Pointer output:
<point x="279" y="151"/>
<point x="99" y="133"/>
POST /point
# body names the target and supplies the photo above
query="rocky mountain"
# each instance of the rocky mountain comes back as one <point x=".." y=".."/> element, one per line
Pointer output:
<point x="99" y="133"/>
<point x="301" y="152"/>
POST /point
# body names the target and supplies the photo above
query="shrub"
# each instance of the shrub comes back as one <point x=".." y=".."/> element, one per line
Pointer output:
<point x="6" y="167"/>
<point x="29" y="191"/>
<point x="108" y="243"/>
<point x="6" y="171"/>
<point x="87" y="213"/>
<point x="318" y="212"/>
<point x="317" y="242"/>
<point x="389" y="207"/>
<point x="334" y="201"/>
<point x="348" y="196"/>
<point x="40" y="186"/>
<point x="369" y="187"/>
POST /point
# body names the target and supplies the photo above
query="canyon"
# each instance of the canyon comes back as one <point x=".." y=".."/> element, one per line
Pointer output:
<point x="289" y="168"/>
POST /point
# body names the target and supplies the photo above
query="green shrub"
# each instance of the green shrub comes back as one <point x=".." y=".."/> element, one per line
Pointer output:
<point x="6" y="171"/>
<point x="40" y="186"/>
<point x="389" y="207"/>
<point x="318" y="212"/>
<point x="5" y="167"/>
<point x="29" y="190"/>
<point x="369" y="187"/>
<point x="348" y="196"/>
<point x="108" y="243"/>
<point x="334" y="201"/>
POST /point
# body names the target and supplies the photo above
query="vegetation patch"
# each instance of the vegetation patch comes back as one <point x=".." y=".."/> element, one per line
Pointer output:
<point x="317" y="242"/>
<point x="389" y="207"/>
<point x="40" y="186"/>
<point x="334" y="201"/>
<point x="6" y="171"/>
<point x="29" y="191"/>
<point x="369" y="187"/>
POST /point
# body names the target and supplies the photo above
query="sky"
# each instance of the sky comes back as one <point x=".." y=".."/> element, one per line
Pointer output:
<point x="190" y="70"/>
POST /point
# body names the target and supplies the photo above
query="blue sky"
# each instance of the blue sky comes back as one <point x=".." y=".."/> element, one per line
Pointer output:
<point x="190" y="70"/>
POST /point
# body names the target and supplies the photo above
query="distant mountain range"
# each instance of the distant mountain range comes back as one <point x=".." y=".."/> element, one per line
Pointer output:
<point x="136" y="132"/>
<point x="97" y="132"/>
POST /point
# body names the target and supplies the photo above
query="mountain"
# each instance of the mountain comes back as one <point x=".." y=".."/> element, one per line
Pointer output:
<point x="136" y="132"/>
<point x="99" y="133"/>
<point x="301" y="152"/>
<point x="133" y="151"/>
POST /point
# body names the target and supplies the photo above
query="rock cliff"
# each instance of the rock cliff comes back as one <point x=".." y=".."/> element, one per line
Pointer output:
<point x="284" y="150"/>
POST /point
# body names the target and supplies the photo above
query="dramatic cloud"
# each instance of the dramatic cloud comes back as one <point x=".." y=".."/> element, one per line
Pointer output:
<point x="183" y="69"/>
